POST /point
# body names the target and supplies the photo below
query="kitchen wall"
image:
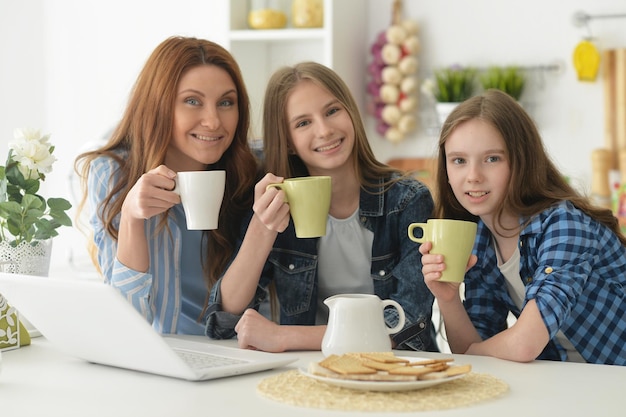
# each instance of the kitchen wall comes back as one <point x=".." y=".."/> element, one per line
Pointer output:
<point x="67" y="67"/>
<point x="479" y="33"/>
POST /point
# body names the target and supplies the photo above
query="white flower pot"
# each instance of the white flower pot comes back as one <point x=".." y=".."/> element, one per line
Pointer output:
<point x="29" y="258"/>
<point x="444" y="110"/>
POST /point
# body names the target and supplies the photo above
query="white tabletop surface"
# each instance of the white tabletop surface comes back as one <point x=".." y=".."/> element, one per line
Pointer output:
<point x="38" y="380"/>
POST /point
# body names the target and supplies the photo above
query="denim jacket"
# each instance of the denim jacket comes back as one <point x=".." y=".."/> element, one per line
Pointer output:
<point x="395" y="270"/>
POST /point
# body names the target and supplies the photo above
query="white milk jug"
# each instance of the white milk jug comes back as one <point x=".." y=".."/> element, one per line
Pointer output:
<point x="356" y="324"/>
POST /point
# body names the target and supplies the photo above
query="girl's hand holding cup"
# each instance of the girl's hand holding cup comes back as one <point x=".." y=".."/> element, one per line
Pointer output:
<point x="269" y="204"/>
<point x="432" y="266"/>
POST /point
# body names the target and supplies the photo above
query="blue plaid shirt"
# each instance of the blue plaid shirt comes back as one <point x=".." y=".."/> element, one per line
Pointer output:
<point x="574" y="268"/>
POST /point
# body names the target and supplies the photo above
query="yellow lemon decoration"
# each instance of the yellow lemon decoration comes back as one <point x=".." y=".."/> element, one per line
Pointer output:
<point x="586" y="61"/>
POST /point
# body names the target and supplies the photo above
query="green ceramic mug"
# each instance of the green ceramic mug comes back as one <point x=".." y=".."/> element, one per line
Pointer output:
<point x="454" y="239"/>
<point x="309" y="202"/>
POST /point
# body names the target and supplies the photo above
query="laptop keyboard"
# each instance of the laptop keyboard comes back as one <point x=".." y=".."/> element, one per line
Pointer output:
<point x="203" y="360"/>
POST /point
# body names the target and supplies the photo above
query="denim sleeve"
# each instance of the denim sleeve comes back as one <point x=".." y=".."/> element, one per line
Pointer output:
<point x="411" y="290"/>
<point x="219" y="323"/>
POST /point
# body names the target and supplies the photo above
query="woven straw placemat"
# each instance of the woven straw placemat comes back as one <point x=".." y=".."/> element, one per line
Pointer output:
<point x="294" y="388"/>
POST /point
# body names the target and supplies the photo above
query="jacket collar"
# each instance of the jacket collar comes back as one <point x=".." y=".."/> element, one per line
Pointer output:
<point x="372" y="200"/>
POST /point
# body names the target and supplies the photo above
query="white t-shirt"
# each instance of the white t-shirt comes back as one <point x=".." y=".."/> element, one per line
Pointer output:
<point x="345" y="258"/>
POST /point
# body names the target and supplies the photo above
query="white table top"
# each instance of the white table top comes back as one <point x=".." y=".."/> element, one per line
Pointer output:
<point x="38" y="380"/>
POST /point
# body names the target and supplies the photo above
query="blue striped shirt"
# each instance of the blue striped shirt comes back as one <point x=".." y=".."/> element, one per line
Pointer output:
<point x="575" y="270"/>
<point x="156" y="294"/>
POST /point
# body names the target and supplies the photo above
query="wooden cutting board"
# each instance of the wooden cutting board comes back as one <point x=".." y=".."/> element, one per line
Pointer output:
<point x="608" y="82"/>
<point x="620" y="97"/>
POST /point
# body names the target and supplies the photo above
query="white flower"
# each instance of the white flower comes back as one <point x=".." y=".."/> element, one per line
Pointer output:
<point x="29" y="134"/>
<point x="33" y="153"/>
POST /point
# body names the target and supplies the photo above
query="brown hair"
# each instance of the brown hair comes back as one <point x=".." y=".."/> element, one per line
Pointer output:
<point x="535" y="184"/>
<point x="145" y="132"/>
<point x="276" y="136"/>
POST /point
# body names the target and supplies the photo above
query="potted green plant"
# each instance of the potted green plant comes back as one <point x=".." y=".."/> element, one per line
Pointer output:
<point x="509" y="79"/>
<point x="450" y="86"/>
<point x="28" y="221"/>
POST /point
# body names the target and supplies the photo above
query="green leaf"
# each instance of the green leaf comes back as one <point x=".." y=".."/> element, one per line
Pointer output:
<point x="33" y="202"/>
<point x="10" y="209"/>
<point x="61" y="217"/>
<point x="510" y="80"/>
<point x="454" y="84"/>
<point x="59" y="204"/>
<point x="14" y="175"/>
<point x="45" y="229"/>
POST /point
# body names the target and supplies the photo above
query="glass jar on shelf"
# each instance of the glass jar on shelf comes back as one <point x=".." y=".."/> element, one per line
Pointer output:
<point x="267" y="14"/>
<point x="307" y="13"/>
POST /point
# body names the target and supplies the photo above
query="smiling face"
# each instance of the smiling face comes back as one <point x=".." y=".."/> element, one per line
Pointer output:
<point x="478" y="167"/>
<point x="321" y="130"/>
<point x="206" y="113"/>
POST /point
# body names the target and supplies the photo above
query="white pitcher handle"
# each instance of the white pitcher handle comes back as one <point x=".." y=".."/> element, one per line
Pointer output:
<point x="401" y="318"/>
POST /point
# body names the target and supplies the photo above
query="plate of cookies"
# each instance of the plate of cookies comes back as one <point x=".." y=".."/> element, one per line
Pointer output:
<point x="384" y="371"/>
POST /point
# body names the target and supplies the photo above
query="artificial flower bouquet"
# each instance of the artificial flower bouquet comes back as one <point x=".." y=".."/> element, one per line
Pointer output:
<point x="26" y="216"/>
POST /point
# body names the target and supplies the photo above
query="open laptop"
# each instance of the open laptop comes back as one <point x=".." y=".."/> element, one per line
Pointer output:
<point x="92" y="321"/>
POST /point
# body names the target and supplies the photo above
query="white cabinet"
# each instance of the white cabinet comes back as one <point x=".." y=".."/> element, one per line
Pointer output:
<point x="340" y="44"/>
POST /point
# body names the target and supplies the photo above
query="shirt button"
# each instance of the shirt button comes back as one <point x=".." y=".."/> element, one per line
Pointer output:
<point x="529" y="280"/>
<point x="362" y="219"/>
<point x="521" y="243"/>
<point x="381" y="272"/>
<point x="292" y="267"/>
<point x="548" y="270"/>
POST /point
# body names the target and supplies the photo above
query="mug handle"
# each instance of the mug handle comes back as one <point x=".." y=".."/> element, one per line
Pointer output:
<point x="280" y="187"/>
<point x="176" y="187"/>
<point x="414" y="226"/>
<point x="401" y="318"/>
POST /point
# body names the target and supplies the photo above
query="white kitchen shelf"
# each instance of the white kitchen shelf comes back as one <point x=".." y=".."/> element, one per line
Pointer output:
<point x="340" y="44"/>
<point x="277" y="35"/>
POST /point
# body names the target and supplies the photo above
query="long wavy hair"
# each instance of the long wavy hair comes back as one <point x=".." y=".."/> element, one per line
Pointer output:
<point x="535" y="184"/>
<point x="146" y="129"/>
<point x="276" y="137"/>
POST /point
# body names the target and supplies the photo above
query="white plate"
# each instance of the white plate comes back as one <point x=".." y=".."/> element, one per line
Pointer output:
<point x="382" y="385"/>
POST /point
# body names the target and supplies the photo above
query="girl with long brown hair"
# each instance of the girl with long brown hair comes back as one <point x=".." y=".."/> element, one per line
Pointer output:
<point x="543" y="252"/>
<point x="188" y="111"/>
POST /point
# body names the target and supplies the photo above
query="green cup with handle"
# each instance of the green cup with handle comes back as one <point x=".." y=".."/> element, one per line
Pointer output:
<point x="454" y="239"/>
<point x="309" y="203"/>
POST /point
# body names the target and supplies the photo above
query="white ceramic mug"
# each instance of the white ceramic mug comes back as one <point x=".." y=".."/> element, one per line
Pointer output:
<point x="201" y="193"/>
